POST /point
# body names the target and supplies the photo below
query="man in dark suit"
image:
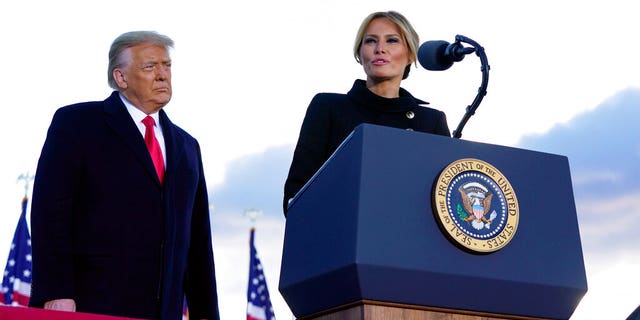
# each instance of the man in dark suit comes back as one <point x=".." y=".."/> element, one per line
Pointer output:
<point x="119" y="226"/>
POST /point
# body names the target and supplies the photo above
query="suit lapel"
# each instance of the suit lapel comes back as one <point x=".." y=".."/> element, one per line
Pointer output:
<point x="117" y="117"/>
<point x="174" y="148"/>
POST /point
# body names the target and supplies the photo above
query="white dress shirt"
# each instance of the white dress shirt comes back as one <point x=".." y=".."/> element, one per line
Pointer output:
<point x="137" y="115"/>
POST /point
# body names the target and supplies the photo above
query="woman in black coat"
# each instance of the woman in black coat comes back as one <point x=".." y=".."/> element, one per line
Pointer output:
<point x="386" y="45"/>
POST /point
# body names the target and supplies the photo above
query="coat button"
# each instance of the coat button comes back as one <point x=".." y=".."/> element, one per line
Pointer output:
<point x="410" y="114"/>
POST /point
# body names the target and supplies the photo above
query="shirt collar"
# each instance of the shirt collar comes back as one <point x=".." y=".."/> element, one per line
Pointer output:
<point x="136" y="114"/>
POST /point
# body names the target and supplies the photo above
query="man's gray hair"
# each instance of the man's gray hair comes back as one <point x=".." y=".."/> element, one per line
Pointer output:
<point x="128" y="40"/>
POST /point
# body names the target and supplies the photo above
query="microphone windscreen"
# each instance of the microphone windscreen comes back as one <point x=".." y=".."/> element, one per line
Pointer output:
<point x="431" y="55"/>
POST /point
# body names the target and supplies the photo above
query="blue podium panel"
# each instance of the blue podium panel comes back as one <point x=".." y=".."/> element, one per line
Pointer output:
<point x="363" y="228"/>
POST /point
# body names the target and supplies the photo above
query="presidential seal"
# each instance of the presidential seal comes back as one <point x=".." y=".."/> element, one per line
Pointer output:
<point x="475" y="206"/>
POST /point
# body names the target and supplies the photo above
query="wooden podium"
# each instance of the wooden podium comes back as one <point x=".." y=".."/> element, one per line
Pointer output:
<point x="374" y="310"/>
<point x="363" y="240"/>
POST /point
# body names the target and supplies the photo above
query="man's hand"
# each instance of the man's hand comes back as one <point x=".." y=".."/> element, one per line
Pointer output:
<point x="61" y="305"/>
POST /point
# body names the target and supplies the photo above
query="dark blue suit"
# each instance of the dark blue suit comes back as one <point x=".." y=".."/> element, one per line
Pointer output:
<point x="106" y="233"/>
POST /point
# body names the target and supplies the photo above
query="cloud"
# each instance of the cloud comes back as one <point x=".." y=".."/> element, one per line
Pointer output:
<point x="603" y="150"/>
<point x="603" y="146"/>
<point x="255" y="181"/>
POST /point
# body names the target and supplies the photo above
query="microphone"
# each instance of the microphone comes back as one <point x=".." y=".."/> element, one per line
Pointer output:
<point x="439" y="55"/>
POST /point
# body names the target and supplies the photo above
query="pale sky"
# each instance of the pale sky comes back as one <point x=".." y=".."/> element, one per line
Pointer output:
<point x="245" y="71"/>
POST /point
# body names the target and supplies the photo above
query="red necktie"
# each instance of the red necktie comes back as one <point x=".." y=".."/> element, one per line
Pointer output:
<point x="153" y="146"/>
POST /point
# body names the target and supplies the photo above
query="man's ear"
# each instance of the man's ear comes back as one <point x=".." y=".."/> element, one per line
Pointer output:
<point x="120" y="77"/>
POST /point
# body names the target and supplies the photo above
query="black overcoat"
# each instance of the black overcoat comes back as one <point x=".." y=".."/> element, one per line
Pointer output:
<point x="106" y="233"/>
<point x="331" y="117"/>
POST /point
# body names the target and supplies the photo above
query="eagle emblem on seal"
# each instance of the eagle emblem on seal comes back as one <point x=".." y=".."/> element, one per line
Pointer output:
<point x="476" y="203"/>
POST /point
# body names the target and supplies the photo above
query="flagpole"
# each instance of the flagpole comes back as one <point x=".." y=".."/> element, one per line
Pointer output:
<point x="253" y="215"/>
<point x="26" y="178"/>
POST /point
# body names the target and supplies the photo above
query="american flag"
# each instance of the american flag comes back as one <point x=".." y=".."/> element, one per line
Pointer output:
<point x="258" y="301"/>
<point x="16" y="281"/>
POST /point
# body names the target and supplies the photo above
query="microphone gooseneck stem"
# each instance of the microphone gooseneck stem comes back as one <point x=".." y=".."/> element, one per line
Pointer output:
<point x="482" y="91"/>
